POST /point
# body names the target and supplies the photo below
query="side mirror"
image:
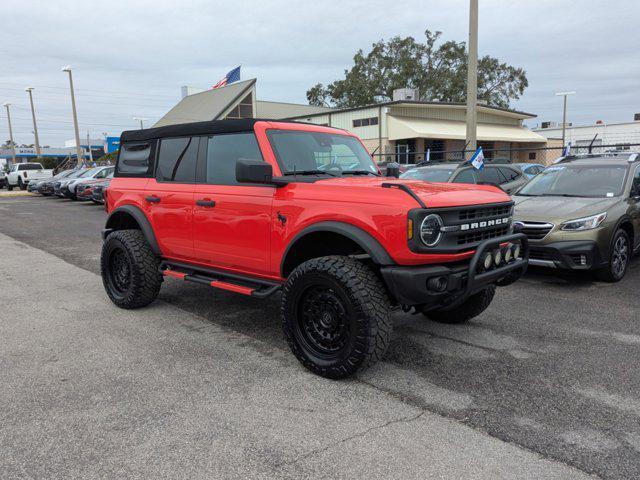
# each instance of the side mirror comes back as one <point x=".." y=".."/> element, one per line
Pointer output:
<point x="253" y="171"/>
<point x="393" y="170"/>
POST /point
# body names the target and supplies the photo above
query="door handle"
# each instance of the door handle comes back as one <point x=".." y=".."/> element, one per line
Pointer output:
<point x="152" y="199"/>
<point x="205" y="203"/>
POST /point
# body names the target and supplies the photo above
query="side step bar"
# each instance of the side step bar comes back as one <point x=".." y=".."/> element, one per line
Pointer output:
<point x="224" y="281"/>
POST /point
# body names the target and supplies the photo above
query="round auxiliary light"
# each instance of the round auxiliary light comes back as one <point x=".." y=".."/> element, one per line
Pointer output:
<point x="508" y="253"/>
<point x="486" y="262"/>
<point x="516" y="251"/>
<point x="431" y="230"/>
<point x="497" y="257"/>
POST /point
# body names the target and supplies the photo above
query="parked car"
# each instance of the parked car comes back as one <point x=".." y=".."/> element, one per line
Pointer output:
<point x="68" y="188"/>
<point x="583" y="214"/>
<point x="3" y="177"/>
<point x="45" y="187"/>
<point x="505" y="177"/>
<point x="84" y="189"/>
<point x="22" y="173"/>
<point x="58" y="184"/>
<point x="34" y="185"/>
<point x="99" y="190"/>
<point x="255" y="207"/>
<point x="530" y="170"/>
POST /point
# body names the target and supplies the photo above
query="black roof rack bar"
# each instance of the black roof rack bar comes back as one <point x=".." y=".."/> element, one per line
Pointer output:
<point x="406" y="189"/>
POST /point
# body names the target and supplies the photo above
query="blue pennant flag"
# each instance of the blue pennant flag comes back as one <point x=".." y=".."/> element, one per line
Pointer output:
<point x="478" y="159"/>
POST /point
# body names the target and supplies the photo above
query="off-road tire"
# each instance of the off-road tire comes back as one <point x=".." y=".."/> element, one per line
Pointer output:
<point x="609" y="273"/>
<point x="21" y="184"/>
<point x="366" y="321"/>
<point x="470" y="308"/>
<point x="144" y="277"/>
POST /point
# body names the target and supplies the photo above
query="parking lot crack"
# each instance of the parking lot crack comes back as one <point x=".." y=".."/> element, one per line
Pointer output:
<point x="317" y="451"/>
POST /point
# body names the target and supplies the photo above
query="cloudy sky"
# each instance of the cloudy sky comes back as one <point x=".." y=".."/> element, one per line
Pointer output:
<point x="130" y="57"/>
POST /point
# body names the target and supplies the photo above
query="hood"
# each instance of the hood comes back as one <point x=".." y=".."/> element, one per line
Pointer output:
<point x="433" y="195"/>
<point x="559" y="209"/>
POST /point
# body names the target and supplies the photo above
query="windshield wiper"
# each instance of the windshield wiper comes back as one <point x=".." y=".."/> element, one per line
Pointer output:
<point x="359" y="172"/>
<point x="309" y="172"/>
<point x="563" y="195"/>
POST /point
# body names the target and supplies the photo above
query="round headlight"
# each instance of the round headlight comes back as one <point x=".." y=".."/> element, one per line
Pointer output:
<point x="431" y="230"/>
<point x="508" y="254"/>
<point x="497" y="257"/>
<point x="486" y="263"/>
<point x="516" y="251"/>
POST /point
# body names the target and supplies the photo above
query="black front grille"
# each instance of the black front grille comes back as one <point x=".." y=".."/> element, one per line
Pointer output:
<point x="534" y="230"/>
<point x="536" y="254"/>
<point x="476" y="213"/>
<point x="473" y="237"/>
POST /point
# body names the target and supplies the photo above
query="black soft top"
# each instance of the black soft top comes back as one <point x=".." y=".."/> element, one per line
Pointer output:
<point x="195" y="128"/>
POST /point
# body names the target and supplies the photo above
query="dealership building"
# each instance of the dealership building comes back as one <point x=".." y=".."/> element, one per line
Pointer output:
<point x="402" y="129"/>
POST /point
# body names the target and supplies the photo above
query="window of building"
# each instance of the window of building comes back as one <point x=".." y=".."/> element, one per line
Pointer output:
<point x="224" y="151"/>
<point x="177" y="160"/>
<point x="532" y="155"/>
<point x="244" y="109"/>
<point x="134" y="158"/>
<point x="365" y="122"/>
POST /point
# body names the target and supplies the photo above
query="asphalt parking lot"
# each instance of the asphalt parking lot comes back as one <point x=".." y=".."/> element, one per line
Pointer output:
<point x="550" y="368"/>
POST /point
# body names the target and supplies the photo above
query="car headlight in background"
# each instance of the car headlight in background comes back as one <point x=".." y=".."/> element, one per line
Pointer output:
<point x="584" y="223"/>
<point x="431" y="230"/>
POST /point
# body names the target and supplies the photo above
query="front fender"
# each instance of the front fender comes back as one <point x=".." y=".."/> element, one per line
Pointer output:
<point x="121" y="218"/>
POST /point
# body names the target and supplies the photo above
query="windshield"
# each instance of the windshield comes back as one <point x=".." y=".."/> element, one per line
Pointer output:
<point x="76" y="174"/>
<point x="90" y="172"/>
<point x="307" y="153"/>
<point x="577" y="181"/>
<point x="429" y="174"/>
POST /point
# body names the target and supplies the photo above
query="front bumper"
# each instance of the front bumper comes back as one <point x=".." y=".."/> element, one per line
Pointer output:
<point x="572" y="255"/>
<point x="414" y="286"/>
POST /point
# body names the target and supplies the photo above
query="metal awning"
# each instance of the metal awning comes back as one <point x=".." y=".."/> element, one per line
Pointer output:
<point x="405" y="127"/>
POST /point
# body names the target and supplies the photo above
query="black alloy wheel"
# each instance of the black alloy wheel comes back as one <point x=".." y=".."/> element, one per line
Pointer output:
<point x="619" y="258"/>
<point x="323" y="320"/>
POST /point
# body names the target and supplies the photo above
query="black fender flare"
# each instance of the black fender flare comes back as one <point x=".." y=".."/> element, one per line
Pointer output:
<point x="140" y="218"/>
<point x="368" y="243"/>
<point x="624" y="219"/>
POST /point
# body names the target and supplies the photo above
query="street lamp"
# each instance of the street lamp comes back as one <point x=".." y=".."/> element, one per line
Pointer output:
<point x="139" y="119"/>
<point x="472" y="77"/>
<point x="564" y="112"/>
<point x="13" y="145"/>
<point x="75" y="115"/>
<point x="29" y="90"/>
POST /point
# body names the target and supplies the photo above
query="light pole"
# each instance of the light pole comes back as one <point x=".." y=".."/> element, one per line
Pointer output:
<point x="75" y="115"/>
<point x="13" y="144"/>
<point x="89" y="148"/>
<point x="564" y="112"/>
<point x="29" y="90"/>
<point x="138" y="119"/>
<point x="472" y="76"/>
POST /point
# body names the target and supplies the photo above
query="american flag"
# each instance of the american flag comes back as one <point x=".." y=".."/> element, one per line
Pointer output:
<point x="232" y="76"/>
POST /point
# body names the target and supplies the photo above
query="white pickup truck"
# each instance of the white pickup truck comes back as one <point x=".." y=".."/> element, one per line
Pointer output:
<point x="22" y="173"/>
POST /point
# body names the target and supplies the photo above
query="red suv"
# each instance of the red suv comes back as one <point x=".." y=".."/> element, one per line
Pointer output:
<point x="258" y="207"/>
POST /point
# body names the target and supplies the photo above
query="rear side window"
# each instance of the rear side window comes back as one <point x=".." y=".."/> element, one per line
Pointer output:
<point x="30" y="166"/>
<point x="177" y="160"/>
<point x="490" y="175"/>
<point x="223" y="151"/>
<point x="509" y="174"/>
<point x="466" y="176"/>
<point x="135" y="158"/>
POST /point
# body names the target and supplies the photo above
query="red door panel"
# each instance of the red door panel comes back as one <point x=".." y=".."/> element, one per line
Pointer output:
<point x="170" y="207"/>
<point x="235" y="232"/>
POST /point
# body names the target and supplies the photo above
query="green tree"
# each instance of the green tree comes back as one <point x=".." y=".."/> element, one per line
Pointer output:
<point x="437" y="69"/>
